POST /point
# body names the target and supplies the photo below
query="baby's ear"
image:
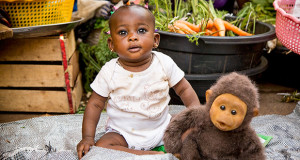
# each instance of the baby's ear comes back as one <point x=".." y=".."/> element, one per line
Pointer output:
<point x="156" y="40"/>
<point x="208" y="94"/>
<point x="110" y="44"/>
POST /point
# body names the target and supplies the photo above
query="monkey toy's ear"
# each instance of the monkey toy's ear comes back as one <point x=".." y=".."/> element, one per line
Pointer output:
<point x="208" y="94"/>
<point x="255" y="112"/>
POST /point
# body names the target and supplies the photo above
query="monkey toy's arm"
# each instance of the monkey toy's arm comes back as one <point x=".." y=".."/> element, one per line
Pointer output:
<point x="178" y="125"/>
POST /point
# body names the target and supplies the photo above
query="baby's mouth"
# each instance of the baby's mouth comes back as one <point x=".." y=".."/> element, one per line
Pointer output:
<point x="134" y="48"/>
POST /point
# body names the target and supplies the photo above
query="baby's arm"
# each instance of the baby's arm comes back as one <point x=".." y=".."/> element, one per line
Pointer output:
<point x="91" y="117"/>
<point x="187" y="94"/>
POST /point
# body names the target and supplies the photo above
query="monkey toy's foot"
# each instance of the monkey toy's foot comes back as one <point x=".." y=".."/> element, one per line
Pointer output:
<point x="177" y="155"/>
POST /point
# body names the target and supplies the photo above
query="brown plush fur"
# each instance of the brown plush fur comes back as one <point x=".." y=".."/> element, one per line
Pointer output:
<point x="208" y="142"/>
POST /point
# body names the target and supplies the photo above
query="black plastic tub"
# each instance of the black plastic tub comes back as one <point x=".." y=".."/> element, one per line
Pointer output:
<point x="283" y="68"/>
<point x="216" y="54"/>
<point x="202" y="82"/>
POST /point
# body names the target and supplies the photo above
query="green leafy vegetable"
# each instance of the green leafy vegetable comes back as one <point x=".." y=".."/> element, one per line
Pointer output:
<point x="261" y="10"/>
<point x="94" y="57"/>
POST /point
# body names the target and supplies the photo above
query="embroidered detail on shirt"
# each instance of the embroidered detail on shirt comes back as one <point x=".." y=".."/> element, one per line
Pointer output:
<point x="131" y="75"/>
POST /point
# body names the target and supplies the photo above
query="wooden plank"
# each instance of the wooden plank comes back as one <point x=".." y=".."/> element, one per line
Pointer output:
<point x="77" y="93"/>
<point x="31" y="75"/>
<point x="74" y="67"/>
<point x="39" y="100"/>
<point x="38" y="75"/>
<point x="36" y="49"/>
<point x="33" y="101"/>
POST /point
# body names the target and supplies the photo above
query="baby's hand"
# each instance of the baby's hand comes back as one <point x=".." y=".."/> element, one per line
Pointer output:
<point x="84" y="145"/>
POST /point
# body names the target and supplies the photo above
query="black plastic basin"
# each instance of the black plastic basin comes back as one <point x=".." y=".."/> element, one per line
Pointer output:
<point x="202" y="82"/>
<point x="216" y="54"/>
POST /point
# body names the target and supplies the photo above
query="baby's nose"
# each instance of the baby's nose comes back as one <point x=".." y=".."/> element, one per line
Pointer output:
<point x="133" y="37"/>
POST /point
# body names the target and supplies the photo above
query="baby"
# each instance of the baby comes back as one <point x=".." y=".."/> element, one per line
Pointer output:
<point x="135" y="86"/>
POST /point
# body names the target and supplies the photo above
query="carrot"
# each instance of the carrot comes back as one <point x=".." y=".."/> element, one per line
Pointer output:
<point x="209" y="24"/>
<point x="235" y="29"/>
<point x="205" y="24"/>
<point x="179" y="31"/>
<point x="171" y="28"/>
<point x="208" y="32"/>
<point x="175" y="29"/>
<point x="194" y="27"/>
<point x="184" y="28"/>
<point x="219" y="24"/>
<point x="214" y="31"/>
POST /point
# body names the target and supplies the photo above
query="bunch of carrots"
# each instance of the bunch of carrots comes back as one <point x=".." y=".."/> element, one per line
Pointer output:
<point x="216" y="27"/>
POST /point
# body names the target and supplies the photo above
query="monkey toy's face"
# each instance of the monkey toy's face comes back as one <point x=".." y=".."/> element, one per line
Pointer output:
<point x="227" y="112"/>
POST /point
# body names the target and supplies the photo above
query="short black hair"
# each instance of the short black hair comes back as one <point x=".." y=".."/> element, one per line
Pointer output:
<point x="129" y="6"/>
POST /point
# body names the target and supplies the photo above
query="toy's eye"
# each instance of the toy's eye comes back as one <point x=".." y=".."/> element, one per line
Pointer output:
<point x="222" y="107"/>
<point x="122" y="33"/>
<point x="142" y="30"/>
<point x="233" y="112"/>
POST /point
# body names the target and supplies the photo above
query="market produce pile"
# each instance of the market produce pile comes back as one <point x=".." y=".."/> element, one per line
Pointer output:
<point x="199" y="17"/>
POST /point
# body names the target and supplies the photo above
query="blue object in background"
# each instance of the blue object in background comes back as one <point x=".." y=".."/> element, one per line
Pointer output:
<point x="75" y="6"/>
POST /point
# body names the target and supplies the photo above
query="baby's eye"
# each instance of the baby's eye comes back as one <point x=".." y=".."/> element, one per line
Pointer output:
<point x="122" y="33"/>
<point x="142" y="30"/>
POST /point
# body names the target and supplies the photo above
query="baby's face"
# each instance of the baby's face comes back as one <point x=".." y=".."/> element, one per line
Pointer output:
<point x="132" y="34"/>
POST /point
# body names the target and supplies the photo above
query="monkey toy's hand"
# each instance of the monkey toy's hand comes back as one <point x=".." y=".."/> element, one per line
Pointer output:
<point x="181" y="123"/>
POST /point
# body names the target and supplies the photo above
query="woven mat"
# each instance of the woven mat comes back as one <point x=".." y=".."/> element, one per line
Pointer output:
<point x="56" y="137"/>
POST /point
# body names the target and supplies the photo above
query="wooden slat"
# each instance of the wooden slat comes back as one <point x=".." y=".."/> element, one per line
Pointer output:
<point x="37" y="75"/>
<point x="77" y="93"/>
<point x="39" y="100"/>
<point x="36" y="49"/>
<point x="33" y="101"/>
<point x="74" y="68"/>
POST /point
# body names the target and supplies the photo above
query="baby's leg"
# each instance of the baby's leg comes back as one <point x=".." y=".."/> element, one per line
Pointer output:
<point x="112" y="140"/>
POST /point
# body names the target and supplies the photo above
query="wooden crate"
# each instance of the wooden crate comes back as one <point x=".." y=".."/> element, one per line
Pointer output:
<point x="36" y="49"/>
<point x="33" y="76"/>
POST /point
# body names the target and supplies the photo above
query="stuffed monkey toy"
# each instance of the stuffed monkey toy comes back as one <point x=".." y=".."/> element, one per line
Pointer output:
<point x="220" y="129"/>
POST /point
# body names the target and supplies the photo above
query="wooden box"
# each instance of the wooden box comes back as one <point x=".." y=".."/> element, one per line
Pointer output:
<point x="33" y="76"/>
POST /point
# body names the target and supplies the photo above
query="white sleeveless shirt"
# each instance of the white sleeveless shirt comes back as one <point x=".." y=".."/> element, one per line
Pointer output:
<point x="138" y="101"/>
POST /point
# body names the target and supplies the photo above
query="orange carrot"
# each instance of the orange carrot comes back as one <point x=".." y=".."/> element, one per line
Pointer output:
<point x="235" y="29"/>
<point x="214" y="31"/>
<point x="194" y="27"/>
<point x="171" y="28"/>
<point x="208" y="32"/>
<point x="179" y="31"/>
<point x="206" y="24"/>
<point x="209" y="24"/>
<point x="184" y="28"/>
<point x="175" y="29"/>
<point x="219" y="24"/>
